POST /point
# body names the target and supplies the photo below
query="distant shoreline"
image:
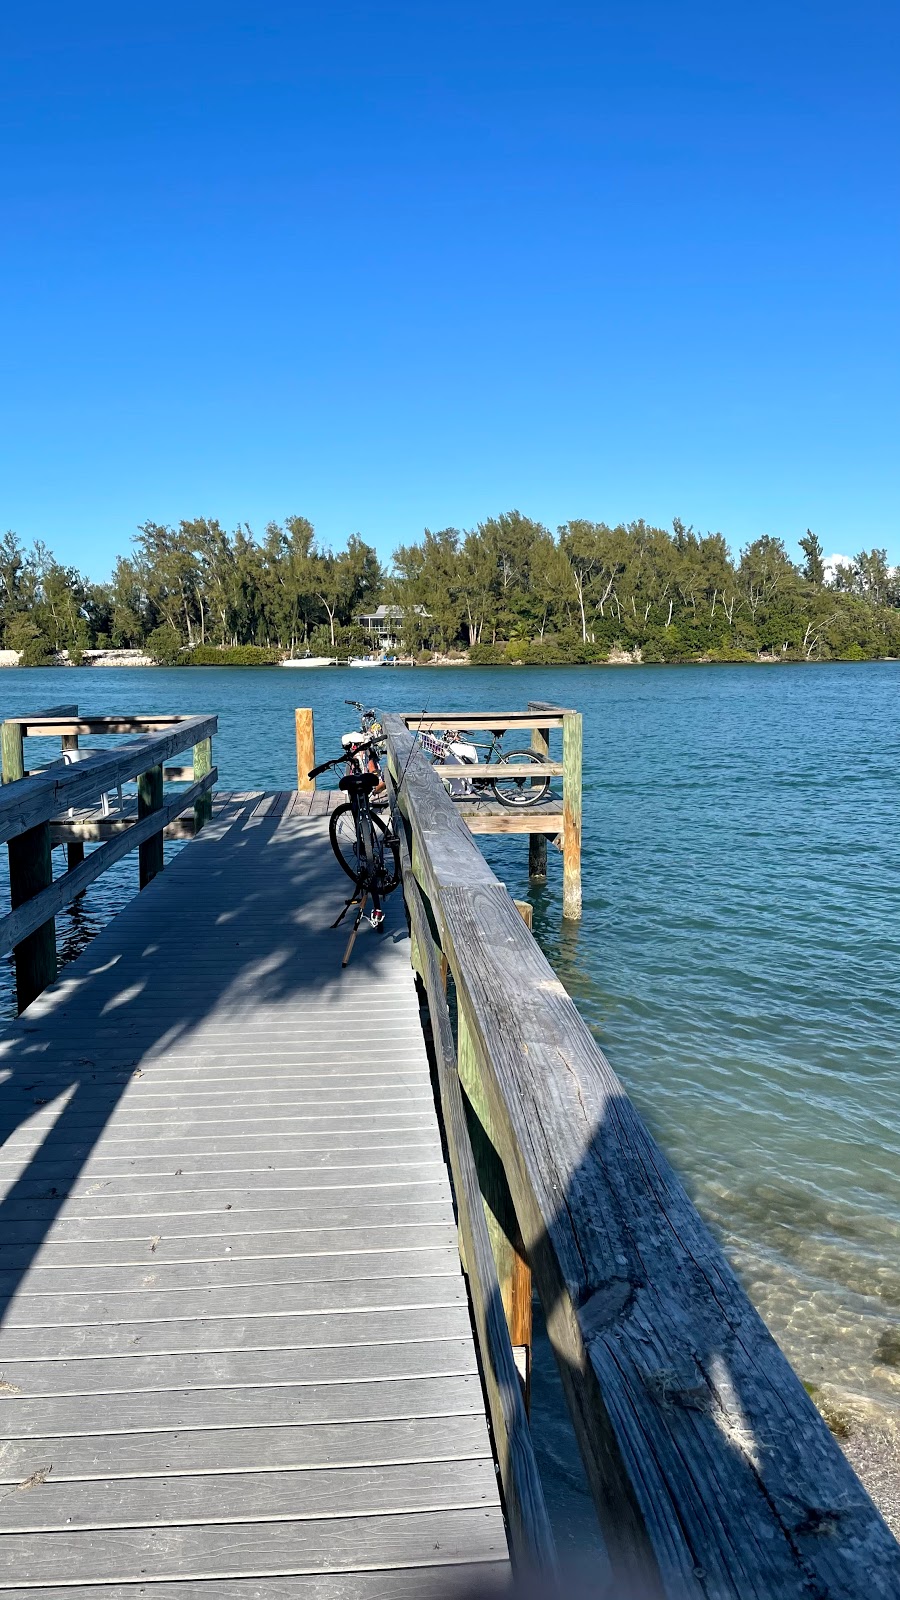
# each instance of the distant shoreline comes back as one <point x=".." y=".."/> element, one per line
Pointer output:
<point x="133" y="659"/>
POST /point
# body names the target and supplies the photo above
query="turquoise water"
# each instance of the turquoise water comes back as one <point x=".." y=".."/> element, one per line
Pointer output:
<point x="740" y="946"/>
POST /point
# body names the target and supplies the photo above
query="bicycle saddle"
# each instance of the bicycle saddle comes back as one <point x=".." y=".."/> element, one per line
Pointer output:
<point x="359" y="782"/>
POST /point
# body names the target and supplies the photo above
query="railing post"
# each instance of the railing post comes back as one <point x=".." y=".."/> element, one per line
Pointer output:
<point x="306" y="746"/>
<point x="203" y="763"/>
<point x="572" y="814"/>
<point x="513" y="1271"/>
<point x="12" y="744"/>
<point x="150" y="798"/>
<point x="30" y="870"/>
<point x="537" y="842"/>
<point x="75" y="851"/>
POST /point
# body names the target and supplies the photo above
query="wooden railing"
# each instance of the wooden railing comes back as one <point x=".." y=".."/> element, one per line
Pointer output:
<point x="28" y="805"/>
<point x="712" y="1471"/>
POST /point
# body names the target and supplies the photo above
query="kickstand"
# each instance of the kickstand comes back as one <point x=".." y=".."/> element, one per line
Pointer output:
<point x="359" y="916"/>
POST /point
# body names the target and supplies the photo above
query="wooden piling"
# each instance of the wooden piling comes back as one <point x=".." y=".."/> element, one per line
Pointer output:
<point x="12" y="745"/>
<point x="150" y="798"/>
<point x="572" y="737"/>
<point x="513" y="1271"/>
<point x="203" y="762"/>
<point x="537" y="842"/>
<point x="30" y="871"/>
<point x="306" y="746"/>
<point x="74" y="851"/>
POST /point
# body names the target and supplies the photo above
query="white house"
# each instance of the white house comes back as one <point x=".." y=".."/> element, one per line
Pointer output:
<point x="383" y="624"/>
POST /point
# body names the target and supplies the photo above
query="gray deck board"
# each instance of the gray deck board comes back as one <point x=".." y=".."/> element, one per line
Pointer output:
<point x="235" y="1350"/>
<point x="77" y="1457"/>
<point x="438" y="1583"/>
<point x="238" y="1549"/>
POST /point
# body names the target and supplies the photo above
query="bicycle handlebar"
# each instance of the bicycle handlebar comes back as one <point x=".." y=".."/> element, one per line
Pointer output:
<point x="338" y="761"/>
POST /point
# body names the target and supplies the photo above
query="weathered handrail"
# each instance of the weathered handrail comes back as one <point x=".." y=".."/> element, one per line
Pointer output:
<point x="29" y="804"/>
<point x="531" y="1536"/>
<point x="713" y="1473"/>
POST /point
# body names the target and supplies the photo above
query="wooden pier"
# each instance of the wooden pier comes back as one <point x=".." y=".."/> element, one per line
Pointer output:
<point x="268" y="1245"/>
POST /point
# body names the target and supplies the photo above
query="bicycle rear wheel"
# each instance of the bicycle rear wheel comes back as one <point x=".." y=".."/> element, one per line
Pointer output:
<point x="350" y="853"/>
<point x="520" y="789"/>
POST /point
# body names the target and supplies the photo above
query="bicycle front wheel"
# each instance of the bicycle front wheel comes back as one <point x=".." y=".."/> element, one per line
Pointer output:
<point x="350" y="852"/>
<point x="521" y="788"/>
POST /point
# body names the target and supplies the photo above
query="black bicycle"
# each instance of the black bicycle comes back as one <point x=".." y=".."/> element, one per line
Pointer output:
<point x="364" y="844"/>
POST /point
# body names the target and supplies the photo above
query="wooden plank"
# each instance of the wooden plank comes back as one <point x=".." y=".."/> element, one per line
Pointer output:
<point x="39" y="723"/>
<point x="371" y="1362"/>
<point x="216" y="1222"/>
<point x="242" y="1549"/>
<point x="295" y="1299"/>
<point x="219" y="1409"/>
<point x="538" y="706"/>
<point x="497" y="769"/>
<point x="194" y="1451"/>
<point x="194" y="1202"/>
<point x="257" y="1497"/>
<point x="487" y="1580"/>
<point x="48" y="712"/>
<point x="148" y="1153"/>
<point x="20" y="924"/>
<point x="549" y="824"/>
<point x="43" y="796"/>
<point x="186" y="1335"/>
<point x="297" y="1242"/>
<point x="175" y="1278"/>
<point x="160" y="1188"/>
<point x="481" y="721"/>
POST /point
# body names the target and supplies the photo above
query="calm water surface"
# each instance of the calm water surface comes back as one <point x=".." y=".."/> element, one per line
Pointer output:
<point x="739" y="950"/>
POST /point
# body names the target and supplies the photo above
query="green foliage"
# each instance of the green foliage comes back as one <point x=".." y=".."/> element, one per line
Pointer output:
<point x="163" y="645"/>
<point x="509" y="590"/>
<point x="24" y="633"/>
<point x="235" y="655"/>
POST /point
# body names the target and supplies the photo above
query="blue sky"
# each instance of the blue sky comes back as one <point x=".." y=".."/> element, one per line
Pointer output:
<point x="411" y="264"/>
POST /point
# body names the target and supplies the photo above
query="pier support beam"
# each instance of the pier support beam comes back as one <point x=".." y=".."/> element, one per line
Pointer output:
<point x="572" y="814"/>
<point x="306" y="746"/>
<point x="513" y="1271"/>
<point x="75" y="851"/>
<point x="30" y="871"/>
<point x="203" y="762"/>
<point x="13" y="749"/>
<point x="150" y="798"/>
<point x="537" y="842"/>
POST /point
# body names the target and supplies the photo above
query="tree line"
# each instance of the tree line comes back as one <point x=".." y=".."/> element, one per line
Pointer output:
<point x="506" y="590"/>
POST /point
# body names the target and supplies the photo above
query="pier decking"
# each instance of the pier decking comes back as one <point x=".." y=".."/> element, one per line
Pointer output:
<point x="236" y="1350"/>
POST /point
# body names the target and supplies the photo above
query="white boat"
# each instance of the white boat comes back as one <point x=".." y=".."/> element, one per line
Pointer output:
<point x="309" y="661"/>
<point x="366" y="661"/>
